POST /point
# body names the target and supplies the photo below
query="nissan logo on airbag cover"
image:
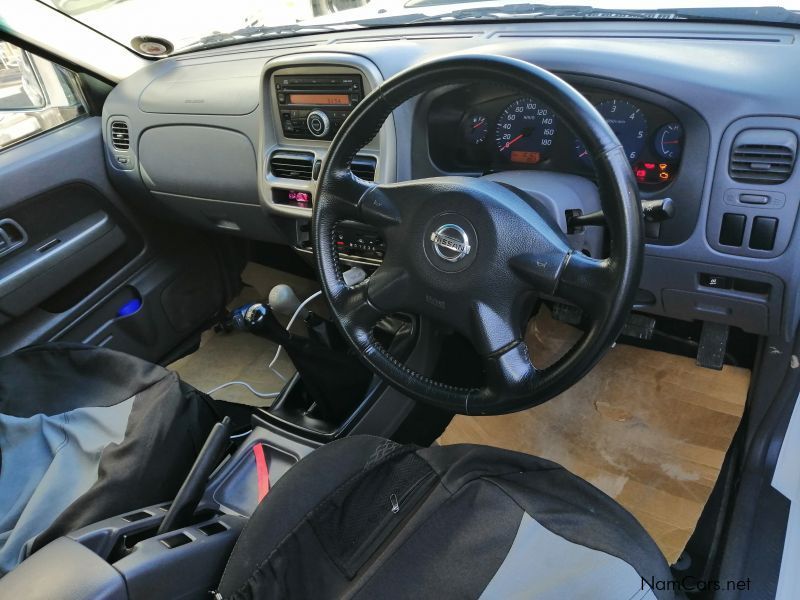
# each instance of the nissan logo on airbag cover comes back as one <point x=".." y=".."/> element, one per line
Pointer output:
<point x="450" y="242"/>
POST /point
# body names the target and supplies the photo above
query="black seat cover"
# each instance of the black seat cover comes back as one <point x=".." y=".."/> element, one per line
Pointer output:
<point x="364" y="517"/>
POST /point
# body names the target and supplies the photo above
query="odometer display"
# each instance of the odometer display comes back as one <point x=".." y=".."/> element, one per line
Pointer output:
<point x="525" y="131"/>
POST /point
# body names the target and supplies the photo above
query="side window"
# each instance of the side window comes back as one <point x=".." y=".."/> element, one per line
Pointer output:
<point x="35" y="95"/>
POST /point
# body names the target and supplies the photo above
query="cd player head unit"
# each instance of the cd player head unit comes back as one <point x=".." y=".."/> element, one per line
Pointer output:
<point x="315" y="106"/>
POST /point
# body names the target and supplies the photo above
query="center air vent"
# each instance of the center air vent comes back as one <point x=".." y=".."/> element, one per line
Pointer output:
<point x="120" y="136"/>
<point x="764" y="156"/>
<point x="364" y="167"/>
<point x="292" y="165"/>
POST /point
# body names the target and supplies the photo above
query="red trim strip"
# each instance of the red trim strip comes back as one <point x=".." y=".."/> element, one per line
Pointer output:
<point x="262" y="471"/>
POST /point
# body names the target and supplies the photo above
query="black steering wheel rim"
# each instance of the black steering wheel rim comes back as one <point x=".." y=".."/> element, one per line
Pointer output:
<point x="603" y="288"/>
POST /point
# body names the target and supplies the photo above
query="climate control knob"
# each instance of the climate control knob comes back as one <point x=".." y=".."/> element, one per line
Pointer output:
<point x="318" y="123"/>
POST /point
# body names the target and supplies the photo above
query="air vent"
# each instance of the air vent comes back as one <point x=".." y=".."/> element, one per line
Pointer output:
<point x="364" y="167"/>
<point x="120" y="136"/>
<point x="292" y="165"/>
<point x="763" y="156"/>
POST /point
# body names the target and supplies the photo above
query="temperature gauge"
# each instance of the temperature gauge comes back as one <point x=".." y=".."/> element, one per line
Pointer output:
<point x="668" y="141"/>
<point x="476" y="129"/>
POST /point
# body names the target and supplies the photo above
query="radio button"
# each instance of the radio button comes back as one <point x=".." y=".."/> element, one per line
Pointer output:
<point x="318" y="123"/>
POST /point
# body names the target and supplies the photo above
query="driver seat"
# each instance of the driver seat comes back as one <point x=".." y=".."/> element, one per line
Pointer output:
<point x="364" y="517"/>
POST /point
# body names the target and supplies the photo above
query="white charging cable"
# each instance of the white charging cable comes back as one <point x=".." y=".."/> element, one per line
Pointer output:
<point x="289" y="327"/>
<point x="352" y="276"/>
<point x="248" y="386"/>
<point x="274" y="359"/>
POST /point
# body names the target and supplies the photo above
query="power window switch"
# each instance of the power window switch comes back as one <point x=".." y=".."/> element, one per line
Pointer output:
<point x="762" y="237"/>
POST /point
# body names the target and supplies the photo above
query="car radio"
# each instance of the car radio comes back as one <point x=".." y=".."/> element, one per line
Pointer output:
<point x="315" y="106"/>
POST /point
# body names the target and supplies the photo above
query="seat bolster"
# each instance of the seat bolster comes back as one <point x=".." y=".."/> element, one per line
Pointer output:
<point x="573" y="509"/>
<point x="561" y="502"/>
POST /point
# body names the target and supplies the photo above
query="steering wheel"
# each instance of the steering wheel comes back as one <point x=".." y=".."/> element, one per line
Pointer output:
<point x="471" y="253"/>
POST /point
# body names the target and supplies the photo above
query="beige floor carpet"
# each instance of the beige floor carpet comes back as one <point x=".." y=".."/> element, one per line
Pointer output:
<point x="224" y="357"/>
<point x="650" y="429"/>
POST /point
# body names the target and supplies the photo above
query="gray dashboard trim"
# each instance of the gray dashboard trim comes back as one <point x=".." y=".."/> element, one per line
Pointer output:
<point x="271" y="138"/>
<point x="723" y="73"/>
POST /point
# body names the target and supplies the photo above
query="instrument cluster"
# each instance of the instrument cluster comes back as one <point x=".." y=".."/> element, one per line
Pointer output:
<point x="476" y="129"/>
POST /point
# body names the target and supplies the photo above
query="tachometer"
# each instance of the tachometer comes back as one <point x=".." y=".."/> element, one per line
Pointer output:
<point x="628" y="123"/>
<point x="525" y="131"/>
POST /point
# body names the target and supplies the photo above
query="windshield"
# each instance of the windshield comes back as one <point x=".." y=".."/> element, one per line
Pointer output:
<point x="162" y="27"/>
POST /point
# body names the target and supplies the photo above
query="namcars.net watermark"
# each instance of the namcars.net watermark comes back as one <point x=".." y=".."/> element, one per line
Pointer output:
<point x="693" y="584"/>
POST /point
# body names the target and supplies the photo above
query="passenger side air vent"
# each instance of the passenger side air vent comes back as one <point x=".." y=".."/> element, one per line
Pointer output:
<point x="120" y="136"/>
<point x="764" y="156"/>
<point x="364" y="167"/>
<point x="292" y="165"/>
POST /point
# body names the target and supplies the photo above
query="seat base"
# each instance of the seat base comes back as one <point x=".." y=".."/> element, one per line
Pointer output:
<point x="365" y="517"/>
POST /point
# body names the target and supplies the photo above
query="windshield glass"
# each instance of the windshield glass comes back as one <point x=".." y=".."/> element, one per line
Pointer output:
<point x="163" y="27"/>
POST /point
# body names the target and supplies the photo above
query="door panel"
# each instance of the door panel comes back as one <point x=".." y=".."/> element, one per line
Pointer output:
<point x="89" y="268"/>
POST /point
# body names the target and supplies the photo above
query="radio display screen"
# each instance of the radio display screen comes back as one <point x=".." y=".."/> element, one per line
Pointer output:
<point x="320" y="99"/>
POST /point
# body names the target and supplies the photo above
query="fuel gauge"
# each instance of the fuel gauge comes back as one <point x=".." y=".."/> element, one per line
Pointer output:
<point x="476" y="129"/>
<point x="668" y="141"/>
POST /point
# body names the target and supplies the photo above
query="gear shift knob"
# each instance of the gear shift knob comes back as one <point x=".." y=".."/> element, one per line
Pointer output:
<point x="283" y="300"/>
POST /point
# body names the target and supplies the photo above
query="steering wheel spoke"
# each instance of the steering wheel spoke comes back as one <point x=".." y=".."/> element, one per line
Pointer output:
<point x="388" y="288"/>
<point x="542" y="269"/>
<point x="493" y="329"/>
<point x="589" y="283"/>
<point x="358" y="313"/>
<point x="378" y="208"/>
<point x="510" y="374"/>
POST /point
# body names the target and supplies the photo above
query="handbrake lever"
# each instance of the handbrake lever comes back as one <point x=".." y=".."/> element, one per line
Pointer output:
<point x="653" y="211"/>
<point x="188" y="497"/>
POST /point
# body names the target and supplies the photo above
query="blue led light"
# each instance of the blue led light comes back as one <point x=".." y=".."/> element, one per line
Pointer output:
<point x="130" y="307"/>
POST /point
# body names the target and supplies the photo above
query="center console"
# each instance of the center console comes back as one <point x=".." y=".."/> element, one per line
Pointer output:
<point x="126" y="558"/>
<point x="305" y="100"/>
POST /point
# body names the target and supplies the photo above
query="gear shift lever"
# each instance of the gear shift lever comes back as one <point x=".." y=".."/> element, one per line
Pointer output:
<point x="329" y="371"/>
<point x="283" y="300"/>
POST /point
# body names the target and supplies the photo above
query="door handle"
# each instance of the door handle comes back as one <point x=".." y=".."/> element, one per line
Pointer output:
<point x="12" y="236"/>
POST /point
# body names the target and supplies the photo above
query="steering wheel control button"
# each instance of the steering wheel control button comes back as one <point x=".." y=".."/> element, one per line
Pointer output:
<point x="318" y="123"/>
<point x="450" y="242"/>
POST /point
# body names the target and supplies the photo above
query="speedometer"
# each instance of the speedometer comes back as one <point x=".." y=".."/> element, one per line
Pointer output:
<point x="525" y="131"/>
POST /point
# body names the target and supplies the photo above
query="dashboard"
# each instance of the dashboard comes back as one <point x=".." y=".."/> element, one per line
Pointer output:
<point x="232" y="140"/>
<point x="479" y="129"/>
